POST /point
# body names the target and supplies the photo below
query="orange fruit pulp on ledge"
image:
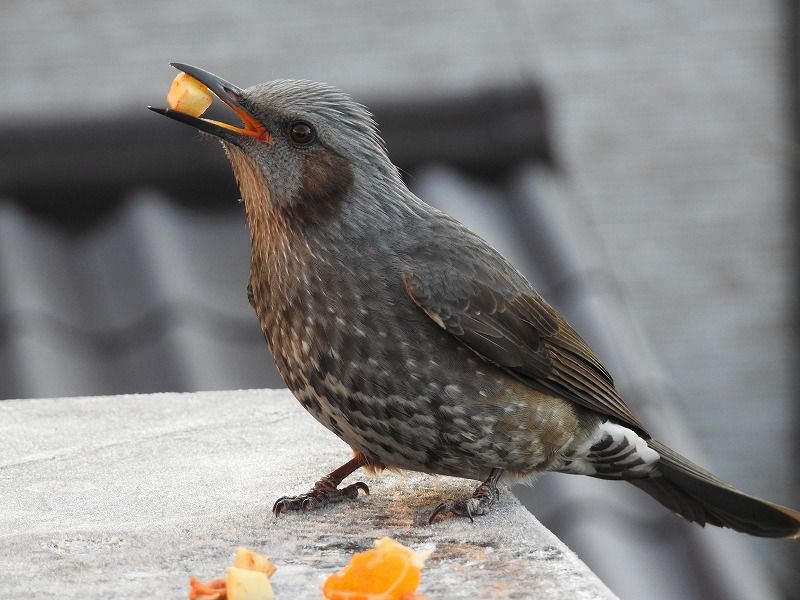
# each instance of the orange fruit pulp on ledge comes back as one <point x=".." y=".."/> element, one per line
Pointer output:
<point x="390" y="571"/>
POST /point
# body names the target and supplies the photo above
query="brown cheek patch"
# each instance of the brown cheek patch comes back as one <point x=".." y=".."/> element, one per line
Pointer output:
<point x="327" y="178"/>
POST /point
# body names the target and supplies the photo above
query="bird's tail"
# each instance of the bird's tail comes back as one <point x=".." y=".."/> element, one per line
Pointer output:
<point x="698" y="496"/>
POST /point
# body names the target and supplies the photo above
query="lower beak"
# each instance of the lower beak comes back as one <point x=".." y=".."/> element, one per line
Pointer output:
<point x="231" y="95"/>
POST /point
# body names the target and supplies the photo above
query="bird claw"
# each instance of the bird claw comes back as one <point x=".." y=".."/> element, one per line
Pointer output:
<point x="460" y="508"/>
<point x="479" y="504"/>
<point x="321" y="494"/>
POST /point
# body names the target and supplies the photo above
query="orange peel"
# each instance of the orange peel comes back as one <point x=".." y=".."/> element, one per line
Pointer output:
<point x="213" y="590"/>
<point x="390" y="571"/>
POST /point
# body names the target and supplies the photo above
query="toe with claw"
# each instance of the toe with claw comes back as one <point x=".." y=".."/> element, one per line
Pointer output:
<point x="480" y="503"/>
<point x="318" y="496"/>
<point x="325" y="491"/>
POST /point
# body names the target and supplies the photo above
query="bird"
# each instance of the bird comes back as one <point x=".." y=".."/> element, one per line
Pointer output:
<point x="411" y="338"/>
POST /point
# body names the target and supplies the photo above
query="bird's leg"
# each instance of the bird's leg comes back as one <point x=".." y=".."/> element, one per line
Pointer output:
<point x="325" y="491"/>
<point x="484" y="496"/>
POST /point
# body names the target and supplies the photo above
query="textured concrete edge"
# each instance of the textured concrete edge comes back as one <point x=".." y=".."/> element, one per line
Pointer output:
<point x="109" y="500"/>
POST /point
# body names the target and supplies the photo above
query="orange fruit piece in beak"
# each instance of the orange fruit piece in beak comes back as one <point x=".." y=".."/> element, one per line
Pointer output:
<point x="187" y="95"/>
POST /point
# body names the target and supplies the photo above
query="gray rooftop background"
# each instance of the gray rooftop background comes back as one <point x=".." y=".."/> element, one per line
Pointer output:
<point x="672" y="125"/>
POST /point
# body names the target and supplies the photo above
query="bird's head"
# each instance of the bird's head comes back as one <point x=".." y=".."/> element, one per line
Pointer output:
<point x="303" y="146"/>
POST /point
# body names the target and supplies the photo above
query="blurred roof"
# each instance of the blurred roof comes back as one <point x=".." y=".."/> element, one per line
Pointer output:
<point x="112" y="55"/>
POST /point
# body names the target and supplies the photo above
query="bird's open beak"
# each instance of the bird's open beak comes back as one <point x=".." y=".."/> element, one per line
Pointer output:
<point x="230" y="95"/>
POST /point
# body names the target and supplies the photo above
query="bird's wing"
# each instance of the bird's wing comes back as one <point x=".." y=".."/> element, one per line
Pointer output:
<point x="502" y="319"/>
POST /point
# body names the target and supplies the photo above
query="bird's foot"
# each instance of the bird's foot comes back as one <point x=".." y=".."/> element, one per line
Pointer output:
<point x="324" y="492"/>
<point x="482" y="500"/>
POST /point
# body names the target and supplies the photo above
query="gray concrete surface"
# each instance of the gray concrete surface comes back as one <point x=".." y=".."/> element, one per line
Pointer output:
<point x="128" y="496"/>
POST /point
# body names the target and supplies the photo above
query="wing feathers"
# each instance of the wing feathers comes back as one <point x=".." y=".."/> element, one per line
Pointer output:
<point x="517" y="330"/>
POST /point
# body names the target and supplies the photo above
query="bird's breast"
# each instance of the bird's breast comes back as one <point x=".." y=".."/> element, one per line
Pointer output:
<point x="372" y="368"/>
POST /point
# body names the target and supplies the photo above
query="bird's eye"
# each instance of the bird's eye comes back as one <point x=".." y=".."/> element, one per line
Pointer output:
<point x="302" y="133"/>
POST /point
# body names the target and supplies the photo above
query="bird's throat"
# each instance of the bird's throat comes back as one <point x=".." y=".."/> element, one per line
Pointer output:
<point x="252" y="185"/>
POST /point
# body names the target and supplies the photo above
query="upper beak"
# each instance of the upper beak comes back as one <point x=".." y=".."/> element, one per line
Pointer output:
<point x="230" y="95"/>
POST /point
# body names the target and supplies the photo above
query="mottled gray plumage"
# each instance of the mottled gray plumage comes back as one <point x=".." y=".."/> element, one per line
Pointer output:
<point x="411" y="338"/>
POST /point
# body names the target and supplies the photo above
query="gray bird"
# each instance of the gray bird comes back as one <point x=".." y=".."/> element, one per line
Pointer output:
<point x="411" y="338"/>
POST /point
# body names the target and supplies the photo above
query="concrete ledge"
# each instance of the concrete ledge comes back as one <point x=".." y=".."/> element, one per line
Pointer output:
<point x="128" y="496"/>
